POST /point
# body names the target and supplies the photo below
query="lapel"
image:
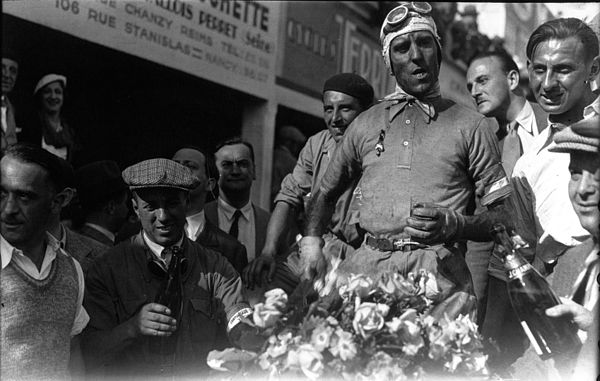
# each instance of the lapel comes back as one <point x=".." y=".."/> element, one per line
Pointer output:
<point x="96" y="235"/>
<point x="210" y="212"/>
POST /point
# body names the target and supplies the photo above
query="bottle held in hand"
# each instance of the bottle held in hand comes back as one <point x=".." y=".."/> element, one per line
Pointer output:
<point x="170" y="296"/>
<point x="530" y="296"/>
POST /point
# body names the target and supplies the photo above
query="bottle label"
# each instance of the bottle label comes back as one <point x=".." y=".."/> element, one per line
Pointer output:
<point x="519" y="271"/>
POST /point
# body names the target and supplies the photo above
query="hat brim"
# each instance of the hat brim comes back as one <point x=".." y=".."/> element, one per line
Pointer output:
<point x="567" y="147"/>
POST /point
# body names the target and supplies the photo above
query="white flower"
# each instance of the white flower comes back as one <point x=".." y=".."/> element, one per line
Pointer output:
<point x="321" y="336"/>
<point x="265" y="316"/>
<point x="369" y="318"/>
<point x="342" y="345"/>
<point x="308" y="359"/>
<point x="276" y="298"/>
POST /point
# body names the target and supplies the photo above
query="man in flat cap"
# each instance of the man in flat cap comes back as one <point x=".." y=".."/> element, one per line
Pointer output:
<point x="345" y="96"/>
<point x="423" y="160"/>
<point x="103" y="196"/>
<point x="132" y="335"/>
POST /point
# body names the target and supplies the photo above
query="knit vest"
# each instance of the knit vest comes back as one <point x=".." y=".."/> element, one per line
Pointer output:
<point x="36" y="321"/>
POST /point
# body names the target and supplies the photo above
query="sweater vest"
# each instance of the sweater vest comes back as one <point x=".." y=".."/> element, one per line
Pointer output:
<point x="36" y="321"/>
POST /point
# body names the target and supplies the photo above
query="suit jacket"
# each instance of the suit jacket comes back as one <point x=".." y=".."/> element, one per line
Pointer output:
<point x="214" y="238"/>
<point x="94" y="234"/>
<point x="261" y="220"/>
<point x="84" y="249"/>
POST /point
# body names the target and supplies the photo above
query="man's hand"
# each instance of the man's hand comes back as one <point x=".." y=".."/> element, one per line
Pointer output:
<point x="582" y="317"/>
<point x="253" y="273"/>
<point x="311" y="255"/>
<point x="154" y="320"/>
<point x="433" y="224"/>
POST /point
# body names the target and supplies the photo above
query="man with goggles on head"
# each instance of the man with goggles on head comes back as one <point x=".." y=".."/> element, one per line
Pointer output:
<point x="160" y="302"/>
<point x="423" y="160"/>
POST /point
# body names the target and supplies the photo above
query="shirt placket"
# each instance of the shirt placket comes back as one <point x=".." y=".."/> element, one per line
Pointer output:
<point x="406" y="132"/>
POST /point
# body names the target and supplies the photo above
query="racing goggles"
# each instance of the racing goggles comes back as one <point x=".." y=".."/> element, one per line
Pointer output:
<point x="401" y="12"/>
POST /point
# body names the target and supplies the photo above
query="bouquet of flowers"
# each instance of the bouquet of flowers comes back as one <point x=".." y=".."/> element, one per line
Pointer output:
<point x="381" y="330"/>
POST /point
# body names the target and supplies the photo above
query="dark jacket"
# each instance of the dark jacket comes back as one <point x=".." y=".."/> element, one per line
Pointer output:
<point x="84" y="249"/>
<point x="214" y="238"/>
<point x="96" y="235"/>
<point x="121" y="283"/>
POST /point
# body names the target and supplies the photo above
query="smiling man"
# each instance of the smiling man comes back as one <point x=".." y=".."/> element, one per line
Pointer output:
<point x="345" y="96"/>
<point x="423" y="160"/>
<point x="562" y="61"/>
<point x="127" y="322"/>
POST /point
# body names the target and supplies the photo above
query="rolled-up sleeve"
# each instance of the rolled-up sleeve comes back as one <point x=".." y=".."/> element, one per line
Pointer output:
<point x="228" y="289"/>
<point x="298" y="184"/>
<point x="485" y="165"/>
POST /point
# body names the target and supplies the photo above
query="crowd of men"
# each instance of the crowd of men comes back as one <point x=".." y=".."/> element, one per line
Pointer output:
<point x="412" y="181"/>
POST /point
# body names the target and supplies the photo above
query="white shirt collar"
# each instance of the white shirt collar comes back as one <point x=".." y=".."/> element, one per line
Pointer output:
<point x="524" y="118"/>
<point x="592" y="109"/>
<point x="7" y="250"/>
<point x="195" y="225"/>
<point x="110" y="235"/>
<point x="228" y="210"/>
<point x="155" y="248"/>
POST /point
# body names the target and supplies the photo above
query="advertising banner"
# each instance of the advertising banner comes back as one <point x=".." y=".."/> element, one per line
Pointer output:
<point x="230" y="42"/>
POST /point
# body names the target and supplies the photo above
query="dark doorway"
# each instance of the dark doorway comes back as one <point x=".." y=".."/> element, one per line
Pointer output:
<point x="122" y="107"/>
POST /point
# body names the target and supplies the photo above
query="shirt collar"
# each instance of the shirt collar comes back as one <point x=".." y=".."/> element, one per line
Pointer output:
<point x="195" y="224"/>
<point x="592" y="109"/>
<point x="524" y="118"/>
<point x="110" y="235"/>
<point x="228" y="210"/>
<point x="7" y="250"/>
<point x="155" y="248"/>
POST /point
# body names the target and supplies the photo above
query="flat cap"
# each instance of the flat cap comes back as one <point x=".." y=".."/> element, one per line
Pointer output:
<point x="98" y="181"/>
<point x="581" y="136"/>
<point x="159" y="173"/>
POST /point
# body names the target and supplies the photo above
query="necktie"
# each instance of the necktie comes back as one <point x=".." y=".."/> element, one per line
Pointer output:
<point x="167" y="254"/>
<point x="511" y="148"/>
<point x="235" y="229"/>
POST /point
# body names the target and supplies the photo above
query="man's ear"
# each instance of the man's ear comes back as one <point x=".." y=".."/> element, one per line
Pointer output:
<point x="62" y="199"/>
<point x="594" y="69"/>
<point x="134" y="205"/>
<point x="513" y="77"/>
<point x="211" y="183"/>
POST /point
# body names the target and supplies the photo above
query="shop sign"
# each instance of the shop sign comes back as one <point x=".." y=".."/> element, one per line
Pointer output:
<point x="231" y="42"/>
<point x="325" y="38"/>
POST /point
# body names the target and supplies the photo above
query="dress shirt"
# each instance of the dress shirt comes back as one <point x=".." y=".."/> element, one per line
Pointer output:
<point x="592" y="109"/>
<point x="547" y="175"/>
<point x="157" y="249"/>
<point x="10" y="253"/>
<point x="110" y="235"/>
<point x="527" y="127"/>
<point x="4" y="113"/>
<point x="246" y="223"/>
<point x="195" y="225"/>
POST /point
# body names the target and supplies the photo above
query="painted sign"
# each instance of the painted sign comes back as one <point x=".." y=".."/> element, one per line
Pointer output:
<point x="325" y="38"/>
<point x="230" y="42"/>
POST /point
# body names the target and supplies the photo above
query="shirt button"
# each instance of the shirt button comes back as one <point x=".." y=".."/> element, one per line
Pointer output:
<point x="407" y="121"/>
<point x="405" y="143"/>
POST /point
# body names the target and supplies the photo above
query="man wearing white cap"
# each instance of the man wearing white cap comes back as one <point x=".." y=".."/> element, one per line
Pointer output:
<point x="423" y="160"/>
<point x="139" y="325"/>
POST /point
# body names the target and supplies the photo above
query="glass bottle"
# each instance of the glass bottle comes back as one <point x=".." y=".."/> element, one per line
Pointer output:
<point x="530" y="296"/>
